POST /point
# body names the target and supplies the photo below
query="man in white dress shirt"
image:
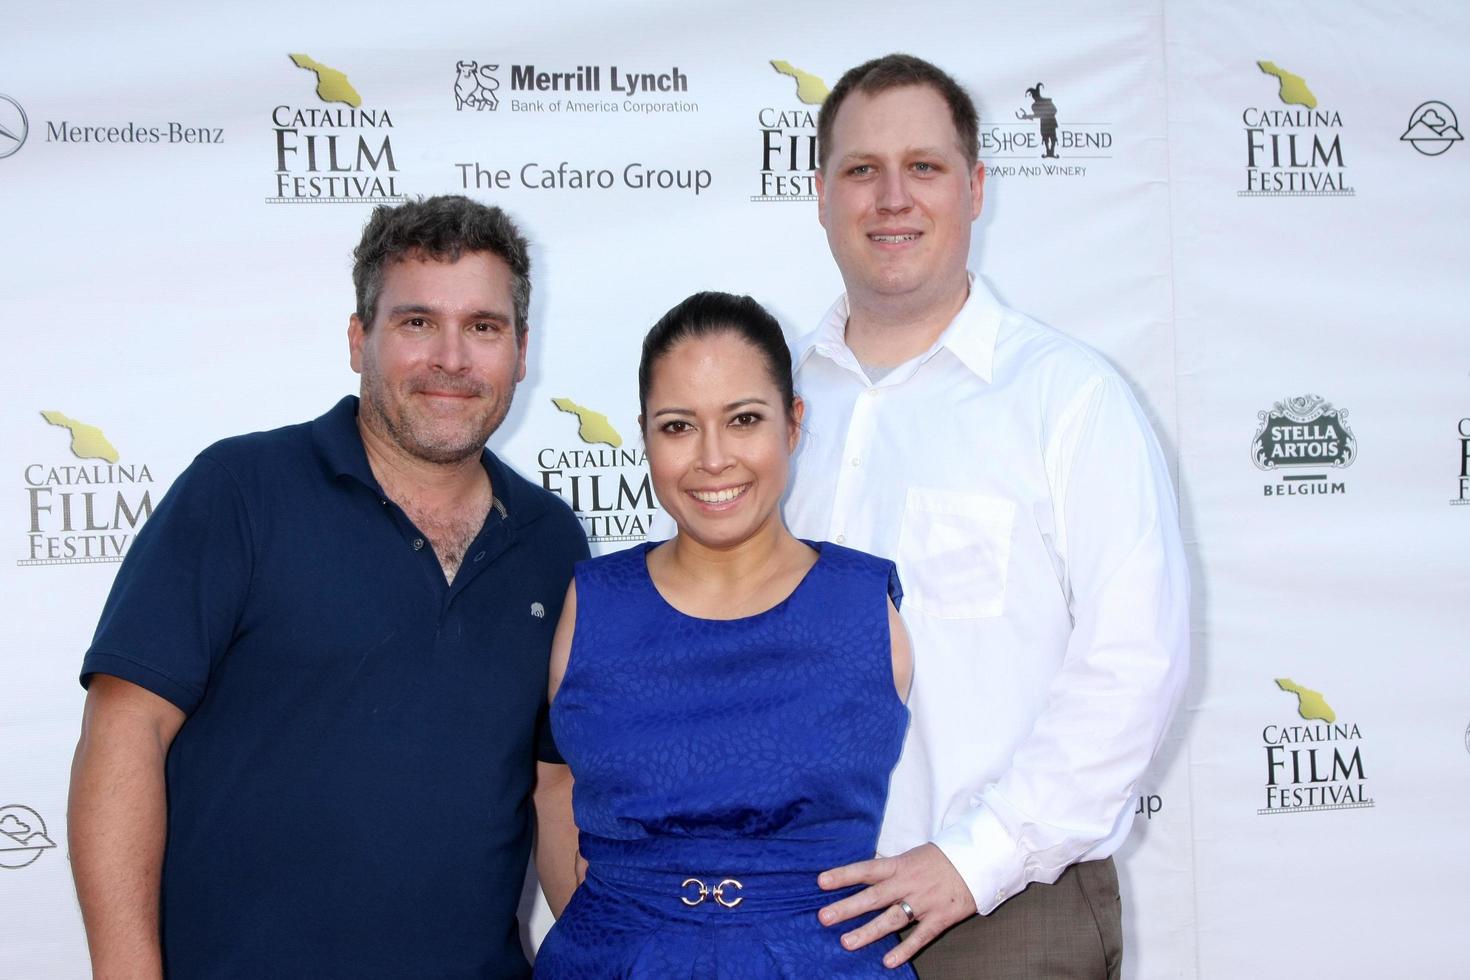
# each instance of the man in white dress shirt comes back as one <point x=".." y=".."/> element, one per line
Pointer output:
<point x="1010" y="473"/>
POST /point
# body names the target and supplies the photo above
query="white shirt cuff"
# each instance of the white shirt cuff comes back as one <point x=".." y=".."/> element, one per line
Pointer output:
<point x="986" y="858"/>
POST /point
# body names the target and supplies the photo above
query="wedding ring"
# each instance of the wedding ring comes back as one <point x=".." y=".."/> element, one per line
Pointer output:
<point x="907" y="910"/>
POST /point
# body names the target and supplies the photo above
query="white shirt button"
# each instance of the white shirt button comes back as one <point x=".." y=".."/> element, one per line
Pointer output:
<point x="856" y="461"/>
<point x="841" y="539"/>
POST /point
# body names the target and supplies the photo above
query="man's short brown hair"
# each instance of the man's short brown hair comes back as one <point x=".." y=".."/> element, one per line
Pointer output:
<point x="443" y="227"/>
<point x="898" y="71"/>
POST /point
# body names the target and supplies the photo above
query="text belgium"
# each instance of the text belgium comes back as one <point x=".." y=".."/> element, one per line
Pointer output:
<point x="588" y="78"/>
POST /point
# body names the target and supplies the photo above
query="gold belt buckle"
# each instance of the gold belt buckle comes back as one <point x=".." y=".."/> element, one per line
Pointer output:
<point x="704" y="891"/>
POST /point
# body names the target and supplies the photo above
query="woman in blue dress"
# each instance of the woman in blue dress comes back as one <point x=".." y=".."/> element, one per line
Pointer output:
<point x="729" y="702"/>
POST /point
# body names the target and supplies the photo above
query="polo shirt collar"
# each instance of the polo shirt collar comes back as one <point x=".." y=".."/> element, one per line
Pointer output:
<point x="970" y="336"/>
<point x="339" y="444"/>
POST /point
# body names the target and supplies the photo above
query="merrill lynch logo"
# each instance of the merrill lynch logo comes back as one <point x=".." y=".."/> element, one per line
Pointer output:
<point x="475" y="86"/>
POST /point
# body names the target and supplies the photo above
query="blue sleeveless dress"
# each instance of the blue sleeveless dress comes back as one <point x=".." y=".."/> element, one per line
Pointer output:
<point x="720" y="765"/>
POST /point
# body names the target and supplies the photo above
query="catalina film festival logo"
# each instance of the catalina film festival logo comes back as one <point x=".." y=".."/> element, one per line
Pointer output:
<point x="1462" y="452"/>
<point x="1432" y="129"/>
<point x="1303" y="433"/>
<point x="788" y="135"/>
<point x="1314" y="761"/>
<point x="1043" y="141"/>
<point x="571" y="89"/>
<point x="332" y="151"/>
<point x="87" y="508"/>
<point x="606" y="485"/>
<point x="14" y="127"/>
<point x="23" y="836"/>
<point x="1293" y="149"/>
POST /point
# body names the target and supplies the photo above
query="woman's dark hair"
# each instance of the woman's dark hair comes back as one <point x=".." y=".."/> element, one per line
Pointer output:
<point x="710" y="314"/>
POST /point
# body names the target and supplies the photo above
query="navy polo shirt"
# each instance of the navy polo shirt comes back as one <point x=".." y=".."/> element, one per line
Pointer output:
<point x="350" y="793"/>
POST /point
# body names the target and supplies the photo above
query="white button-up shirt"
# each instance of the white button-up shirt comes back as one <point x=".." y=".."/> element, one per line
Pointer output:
<point x="1013" y="478"/>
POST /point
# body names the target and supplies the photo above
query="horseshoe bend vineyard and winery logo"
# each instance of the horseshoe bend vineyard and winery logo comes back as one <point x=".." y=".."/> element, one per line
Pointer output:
<point x="1305" y="432"/>
<point x="1043" y="141"/>
<point x="605" y="484"/>
<point x="87" y="508"/>
<point x="23" y="836"/>
<point x="1314" y="760"/>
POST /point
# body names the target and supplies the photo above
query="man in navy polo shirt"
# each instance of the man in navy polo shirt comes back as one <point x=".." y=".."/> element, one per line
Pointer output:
<point x="315" y="708"/>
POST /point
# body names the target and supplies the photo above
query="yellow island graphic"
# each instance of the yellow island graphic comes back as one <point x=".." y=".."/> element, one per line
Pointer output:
<point x="87" y="441"/>
<point x="595" y="427"/>
<point x="1311" y="705"/>
<point x="331" y="84"/>
<point x="809" y="88"/>
<point x="1294" y="89"/>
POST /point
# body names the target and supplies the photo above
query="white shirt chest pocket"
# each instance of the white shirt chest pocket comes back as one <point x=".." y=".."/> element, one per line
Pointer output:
<point x="954" y="550"/>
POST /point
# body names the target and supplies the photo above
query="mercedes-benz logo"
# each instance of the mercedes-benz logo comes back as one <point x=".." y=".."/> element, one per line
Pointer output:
<point x="14" y="127"/>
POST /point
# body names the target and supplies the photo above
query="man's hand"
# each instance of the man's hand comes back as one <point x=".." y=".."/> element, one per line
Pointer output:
<point x="923" y="877"/>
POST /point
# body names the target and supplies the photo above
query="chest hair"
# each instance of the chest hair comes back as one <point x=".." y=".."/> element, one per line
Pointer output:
<point x="450" y="532"/>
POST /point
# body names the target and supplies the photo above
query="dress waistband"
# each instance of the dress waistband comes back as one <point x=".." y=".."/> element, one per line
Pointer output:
<point x="724" y="885"/>
<point x="717" y="891"/>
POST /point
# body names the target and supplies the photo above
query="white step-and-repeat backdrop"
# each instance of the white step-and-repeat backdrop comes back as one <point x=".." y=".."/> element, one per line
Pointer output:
<point x="1258" y="210"/>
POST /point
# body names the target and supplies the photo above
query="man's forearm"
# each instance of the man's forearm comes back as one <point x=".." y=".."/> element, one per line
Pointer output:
<point x="116" y="829"/>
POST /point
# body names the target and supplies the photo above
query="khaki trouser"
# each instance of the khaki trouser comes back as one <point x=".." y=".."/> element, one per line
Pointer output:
<point x="1070" y="930"/>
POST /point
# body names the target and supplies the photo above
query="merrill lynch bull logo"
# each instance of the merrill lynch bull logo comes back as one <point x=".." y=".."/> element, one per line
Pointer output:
<point x="475" y="85"/>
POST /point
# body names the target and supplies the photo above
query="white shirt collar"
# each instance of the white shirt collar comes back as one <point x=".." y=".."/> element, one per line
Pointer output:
<point x="970" y="336"/>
